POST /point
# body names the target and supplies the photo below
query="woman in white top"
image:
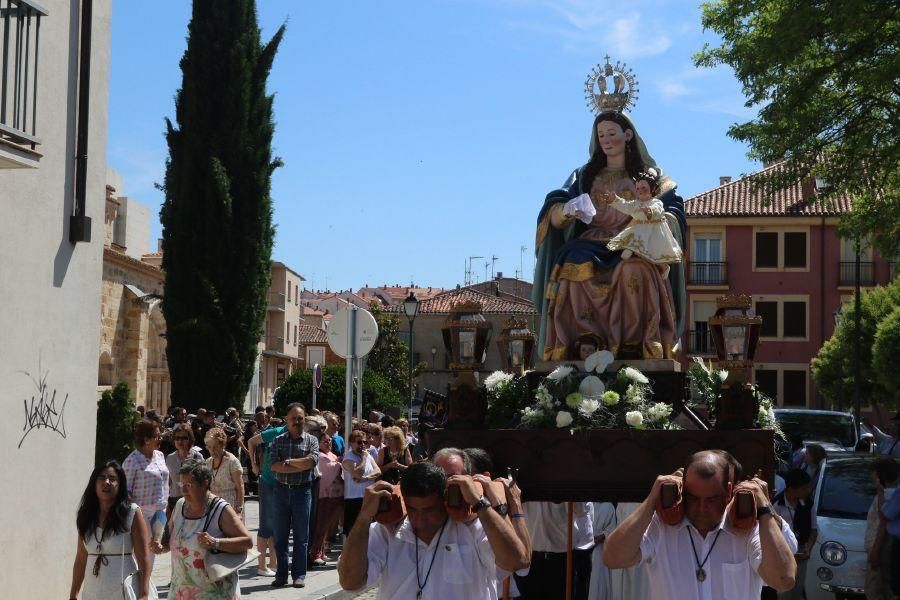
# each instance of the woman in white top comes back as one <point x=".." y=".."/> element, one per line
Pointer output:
<point x="228" y="475"/>
<point x="361" y="471"/>
<point x="112" y="539"/>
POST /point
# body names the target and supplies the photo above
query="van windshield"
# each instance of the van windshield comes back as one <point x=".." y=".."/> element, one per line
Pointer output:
<point x="847" y="490"/>
<point x="819" y="427"/>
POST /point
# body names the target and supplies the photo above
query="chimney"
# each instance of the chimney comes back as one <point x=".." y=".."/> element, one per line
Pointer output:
<point x="724" y="179"/>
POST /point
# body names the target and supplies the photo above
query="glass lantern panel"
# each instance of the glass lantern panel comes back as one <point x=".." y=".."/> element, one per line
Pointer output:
<point x="516" y="352"/>
<point x="466" y="344"/>
<point x="734" y="341"/>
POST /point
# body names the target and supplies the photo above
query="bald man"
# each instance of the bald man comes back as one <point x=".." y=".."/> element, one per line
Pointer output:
<point x="703" y="557"/>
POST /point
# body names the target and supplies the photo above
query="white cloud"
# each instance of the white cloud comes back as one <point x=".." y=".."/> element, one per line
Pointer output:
<point x="586" y="26"/>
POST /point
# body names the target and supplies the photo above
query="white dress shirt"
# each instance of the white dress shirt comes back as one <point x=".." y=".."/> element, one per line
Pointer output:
<point x="464" y="567"/>
<point x="548" y="525"/>
<point x="732" y="570"/>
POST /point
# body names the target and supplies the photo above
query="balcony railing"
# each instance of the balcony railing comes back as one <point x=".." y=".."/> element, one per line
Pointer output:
<point x="708" y="273"/>
<point x="700" y="342"/>
<point x="20" y="33"/>
<point x="275" y="343"/>
<point x="866" y="273"/>
<point x="276" y="300"/>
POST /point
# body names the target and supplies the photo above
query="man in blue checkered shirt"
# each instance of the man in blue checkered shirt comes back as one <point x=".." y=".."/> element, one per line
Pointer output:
<point x="294" y="455"/>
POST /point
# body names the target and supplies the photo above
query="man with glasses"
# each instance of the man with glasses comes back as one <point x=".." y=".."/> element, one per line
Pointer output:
<point x="703" y="556"/>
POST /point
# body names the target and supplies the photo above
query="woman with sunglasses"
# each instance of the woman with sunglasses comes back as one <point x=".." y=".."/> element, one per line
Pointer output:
<point x="183" y="438"/>
<point x="148" y="477"/>
<point x="112" y="539"/>
<point x="360" y="471"/>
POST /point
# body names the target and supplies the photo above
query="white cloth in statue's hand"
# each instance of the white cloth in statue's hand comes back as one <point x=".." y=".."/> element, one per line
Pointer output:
<point x="581" y="208"/>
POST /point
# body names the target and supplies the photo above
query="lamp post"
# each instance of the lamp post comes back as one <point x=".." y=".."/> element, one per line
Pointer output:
<point x="410" y="308"/>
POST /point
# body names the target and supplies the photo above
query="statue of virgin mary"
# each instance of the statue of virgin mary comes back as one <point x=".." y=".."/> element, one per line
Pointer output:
<point x="581" y="287"/>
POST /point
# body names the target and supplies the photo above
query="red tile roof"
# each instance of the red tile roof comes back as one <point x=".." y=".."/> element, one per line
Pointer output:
<point x="307" y="334"/>
<point x="444" y="302"/>
<point x="739" y="199"/>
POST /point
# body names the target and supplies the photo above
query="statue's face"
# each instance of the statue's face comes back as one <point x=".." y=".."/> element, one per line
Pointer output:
<point x="643" y="190"/>
<point x="612" y="139"/>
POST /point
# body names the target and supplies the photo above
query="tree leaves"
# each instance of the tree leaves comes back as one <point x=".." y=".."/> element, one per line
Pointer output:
<point x="823" y="74"/>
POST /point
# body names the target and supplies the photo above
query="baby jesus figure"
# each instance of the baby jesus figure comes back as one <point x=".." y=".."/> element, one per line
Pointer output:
<point x="648" y="235"/>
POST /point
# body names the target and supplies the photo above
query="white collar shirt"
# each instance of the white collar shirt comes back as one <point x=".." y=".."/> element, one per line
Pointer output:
<point x="732" y="569"/>
<point x="464" y="566"/>
<point x="548" y="523"/>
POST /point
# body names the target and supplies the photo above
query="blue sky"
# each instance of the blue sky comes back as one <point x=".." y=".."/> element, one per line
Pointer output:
<point x="417" y="133"/>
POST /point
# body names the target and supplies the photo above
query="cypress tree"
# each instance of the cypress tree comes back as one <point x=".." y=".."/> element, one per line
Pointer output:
<point x="217" y="212"/>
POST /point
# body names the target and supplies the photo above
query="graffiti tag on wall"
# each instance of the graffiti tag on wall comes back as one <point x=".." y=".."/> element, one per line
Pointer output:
<point x="42" y="410"/>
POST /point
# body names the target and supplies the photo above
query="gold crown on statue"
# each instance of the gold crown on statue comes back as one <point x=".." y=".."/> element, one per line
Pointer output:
<point x="624" y="88"/>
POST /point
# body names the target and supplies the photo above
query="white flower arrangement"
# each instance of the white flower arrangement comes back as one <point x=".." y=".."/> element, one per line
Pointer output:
<point x="496" y="380"/>
<point x="569" y="398"/>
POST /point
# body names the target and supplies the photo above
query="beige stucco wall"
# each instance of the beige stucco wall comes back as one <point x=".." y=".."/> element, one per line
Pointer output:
<point x="50" y="293"/>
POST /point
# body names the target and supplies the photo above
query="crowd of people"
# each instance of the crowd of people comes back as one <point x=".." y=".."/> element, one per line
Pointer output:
<point x="439" y="526"/>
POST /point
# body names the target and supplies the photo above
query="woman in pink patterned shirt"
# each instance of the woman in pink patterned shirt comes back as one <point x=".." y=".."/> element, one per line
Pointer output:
<point x="148" y="477"/>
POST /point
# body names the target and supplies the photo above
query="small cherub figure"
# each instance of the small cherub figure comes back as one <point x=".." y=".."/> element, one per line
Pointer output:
<point x="648" y="235"/>
<point x="585" y="345"/>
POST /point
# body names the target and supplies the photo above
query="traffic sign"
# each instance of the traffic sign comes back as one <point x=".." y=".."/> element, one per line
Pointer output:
<point x="339" y="331"/>
<point x="317" y="375"/>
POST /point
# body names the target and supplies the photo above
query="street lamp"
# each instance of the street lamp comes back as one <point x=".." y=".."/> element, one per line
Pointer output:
<point x="410" y="308"/>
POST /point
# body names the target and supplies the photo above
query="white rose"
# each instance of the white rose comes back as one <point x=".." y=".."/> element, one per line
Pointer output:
<point x="563" y="419"/>
<point x="634" y="418"/>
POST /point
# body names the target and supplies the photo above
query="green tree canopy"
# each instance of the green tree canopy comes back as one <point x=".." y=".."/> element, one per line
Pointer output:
<point x="217" y="213"/>
<point x="378" y="394"/>
<point x="115" y="424"/>
<point x="824" y="74"/>
<point x="833" y="367"/>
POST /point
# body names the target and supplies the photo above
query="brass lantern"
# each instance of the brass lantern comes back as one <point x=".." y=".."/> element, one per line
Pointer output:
<point x="466" y="334"/>
<point x="516" y="345"/>
<point x="735" y="333"/>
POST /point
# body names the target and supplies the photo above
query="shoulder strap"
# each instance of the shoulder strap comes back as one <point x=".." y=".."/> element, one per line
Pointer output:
<point x="213" y="509"/>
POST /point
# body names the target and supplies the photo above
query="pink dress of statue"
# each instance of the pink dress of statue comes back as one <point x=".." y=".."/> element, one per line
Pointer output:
<point x="589" y="292"/>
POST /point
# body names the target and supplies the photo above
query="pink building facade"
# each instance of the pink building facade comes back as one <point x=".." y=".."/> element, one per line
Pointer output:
<point x="784" y="253"/>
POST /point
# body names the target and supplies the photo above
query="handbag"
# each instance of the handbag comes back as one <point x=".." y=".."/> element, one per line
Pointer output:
<point x="131" y="585"/>
<point x="219" y="565"/>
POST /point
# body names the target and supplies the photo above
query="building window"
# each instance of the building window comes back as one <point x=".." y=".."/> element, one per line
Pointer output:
<point x="781" y="250"/>
<point x="769" y="313"/>
<point x="794" y="388"/>
<point x="794" y="319"/>
<point x="766" y="250"/>
<point x="767" y="380"/>
<point x="20" y="29"/>
<point x="784" y="318"/>
<point x="707" y="266"/>
<point x="795" y="250"/>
